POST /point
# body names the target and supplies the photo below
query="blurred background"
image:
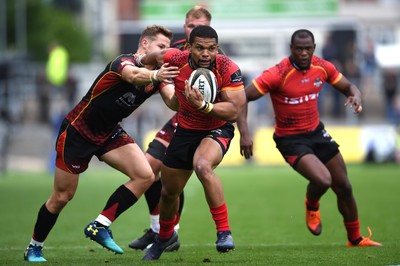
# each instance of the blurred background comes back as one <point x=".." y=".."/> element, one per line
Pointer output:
<point x="52" y="50"/>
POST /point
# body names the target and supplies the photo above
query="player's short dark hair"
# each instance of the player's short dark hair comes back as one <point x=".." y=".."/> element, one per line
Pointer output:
<point x="203" y="31"/>
<point x="151" y="32"/>
<point x="302" y="33"/>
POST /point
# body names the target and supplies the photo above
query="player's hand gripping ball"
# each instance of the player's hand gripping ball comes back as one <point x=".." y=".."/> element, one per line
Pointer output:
<point x="205" y="80"/>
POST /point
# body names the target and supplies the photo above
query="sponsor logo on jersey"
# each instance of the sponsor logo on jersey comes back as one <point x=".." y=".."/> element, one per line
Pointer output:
<point x="302" y="99"/>
<point x="126" y="101"/>
<point x="318" y="82"/>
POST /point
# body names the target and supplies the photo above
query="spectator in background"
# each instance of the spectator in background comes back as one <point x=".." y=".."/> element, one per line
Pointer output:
<point x="330" y="53"/>
<point x="390" y="85"/>
<point x="57" y="65"/>
<point x="353" y="74"/>
<point x="369" y="65"/>
<point x="53" y="81"/>
<point x="59" y="89"/>
<point x="56" y="83"/>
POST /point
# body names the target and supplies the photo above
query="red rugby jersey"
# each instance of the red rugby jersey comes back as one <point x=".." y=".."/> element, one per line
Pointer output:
<point x="294" y="93"/>
<point x="228" y="76"/>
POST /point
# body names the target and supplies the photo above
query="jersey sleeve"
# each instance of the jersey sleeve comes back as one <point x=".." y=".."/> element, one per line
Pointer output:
<point x="231" y="74"/>
<point x="333" y="75"/>
<point x="172" y="56"/>
<point x="121" y="62"/>
<point x="267" y="81"/>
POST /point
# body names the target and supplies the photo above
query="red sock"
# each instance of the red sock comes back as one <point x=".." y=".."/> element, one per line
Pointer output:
<point x="177" y="218"/>
<point x="353" y="230"/>
<point x="312" y="205"/>
<point x="220" y="217"/>
<point x="167" y="228"/>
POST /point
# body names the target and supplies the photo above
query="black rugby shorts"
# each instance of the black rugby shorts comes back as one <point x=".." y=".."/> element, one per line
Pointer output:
<point x="318" y="142"/>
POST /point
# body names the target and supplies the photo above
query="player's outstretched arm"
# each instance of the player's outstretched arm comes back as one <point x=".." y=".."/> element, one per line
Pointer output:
<point x="352" y="93"/>
<point x="246" y="141"/>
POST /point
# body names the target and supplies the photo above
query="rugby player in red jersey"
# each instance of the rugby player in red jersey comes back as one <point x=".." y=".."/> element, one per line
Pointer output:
<point x="196" y="16"/>
<point x="92" y="127"/>
<point x="202" y="136"/>
<point x="294" y="85"/>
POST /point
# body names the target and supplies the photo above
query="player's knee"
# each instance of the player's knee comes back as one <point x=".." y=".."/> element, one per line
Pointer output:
<point x="324" y="182"/>
<point x="343" y="189"/>
<point x="148" y="179"/>
<point x="203" y="168"/>
<point x="169" y="195"/>
<point x="58" y="201"/>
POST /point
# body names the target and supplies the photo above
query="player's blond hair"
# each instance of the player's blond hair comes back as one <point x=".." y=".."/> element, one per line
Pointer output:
<point x="199" y="12"/>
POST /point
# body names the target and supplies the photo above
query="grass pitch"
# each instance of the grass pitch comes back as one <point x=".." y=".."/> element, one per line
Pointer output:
<point x="266" y="215"/>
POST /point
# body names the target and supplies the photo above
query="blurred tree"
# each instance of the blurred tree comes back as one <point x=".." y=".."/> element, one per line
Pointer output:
<point x="45" y="23"/>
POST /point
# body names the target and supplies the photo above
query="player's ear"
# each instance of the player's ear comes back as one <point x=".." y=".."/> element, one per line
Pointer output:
<point x="145" y="43"/>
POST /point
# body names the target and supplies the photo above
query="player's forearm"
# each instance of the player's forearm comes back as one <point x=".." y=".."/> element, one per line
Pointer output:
<point x="227" y="111"/>
<point x="242" y="121"/>
<point x="139" y="76"/>
<point x="155" y="59"/>
<point x="172" y="103"/>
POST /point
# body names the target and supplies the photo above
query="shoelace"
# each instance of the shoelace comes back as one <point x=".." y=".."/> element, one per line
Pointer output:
<point x="313" y="215"/>
<point x="223" y="236"/>
<point x="108" y="230"/>
<point x="370" y="234"/>
<point x="37" y="251"/>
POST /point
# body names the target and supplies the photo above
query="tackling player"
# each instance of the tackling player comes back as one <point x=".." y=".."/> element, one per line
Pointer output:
<point x="92" y="128"/>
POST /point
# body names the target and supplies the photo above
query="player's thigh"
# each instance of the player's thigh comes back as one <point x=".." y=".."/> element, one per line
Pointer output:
<point x="337" y="168"/>
<point x="64" y="188"/>
<point x="313" y="169"/>
<point x="207" y="153"/>
<point x="130" y="160"/>
<point x="174" y="179"/>
<point x="155" y="165"/>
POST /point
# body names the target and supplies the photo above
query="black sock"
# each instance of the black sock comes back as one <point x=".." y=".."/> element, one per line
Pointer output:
<point x="152" y="195"/>
<point x="181" y="201"/>
<point x="44" y="223"/>
<point x="121" y="200"/>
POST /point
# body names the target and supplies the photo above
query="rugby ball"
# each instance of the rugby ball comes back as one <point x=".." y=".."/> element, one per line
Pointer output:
<point x="205" y="80"/>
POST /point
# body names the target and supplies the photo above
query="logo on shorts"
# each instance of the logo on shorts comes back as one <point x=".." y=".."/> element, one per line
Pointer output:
<point x="218" y="131"/>
<point x="326" y="135"/>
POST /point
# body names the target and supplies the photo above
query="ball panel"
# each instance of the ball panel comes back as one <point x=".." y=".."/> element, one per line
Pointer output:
<point x="205" y="80"/>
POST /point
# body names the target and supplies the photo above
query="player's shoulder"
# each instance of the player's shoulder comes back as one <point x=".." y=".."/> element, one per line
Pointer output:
<point x="179" y="44"/>
<point x="223" y="61"/>
<point x="176" y="57"/>
<point x="125" y="56"/>
<point x="119" y="62"/>
<point x="318" y="61"/>
<point x="124" y="59"/>
<point x="283" y="67"/>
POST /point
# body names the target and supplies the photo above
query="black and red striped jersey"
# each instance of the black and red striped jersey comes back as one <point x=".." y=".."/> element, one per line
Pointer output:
<point x="109" y="100"/>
